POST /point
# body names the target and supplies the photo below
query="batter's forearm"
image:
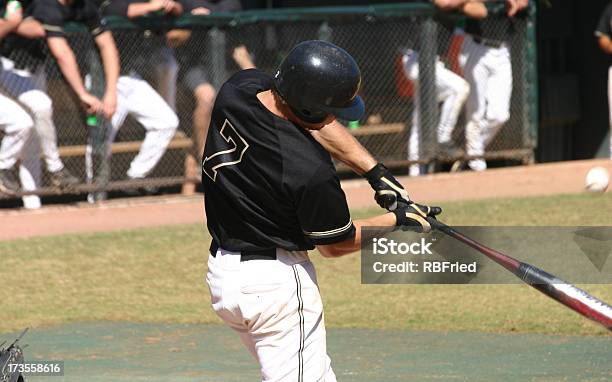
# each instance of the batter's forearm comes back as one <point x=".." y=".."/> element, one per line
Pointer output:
<point x="384" y="224"/>
<point x="336" y="139"/>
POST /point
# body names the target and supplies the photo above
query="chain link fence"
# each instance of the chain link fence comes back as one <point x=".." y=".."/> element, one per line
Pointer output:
<point x="170" y="66"/>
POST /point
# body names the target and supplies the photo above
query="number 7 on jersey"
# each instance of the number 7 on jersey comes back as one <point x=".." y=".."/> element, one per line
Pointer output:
<point x="237" y="146"/>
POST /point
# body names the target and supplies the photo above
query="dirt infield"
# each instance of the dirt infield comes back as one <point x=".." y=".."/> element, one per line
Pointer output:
<point x="544" y="179"/>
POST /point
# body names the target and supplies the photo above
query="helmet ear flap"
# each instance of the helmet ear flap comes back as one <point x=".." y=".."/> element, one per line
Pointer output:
<point x="310" y="116"/>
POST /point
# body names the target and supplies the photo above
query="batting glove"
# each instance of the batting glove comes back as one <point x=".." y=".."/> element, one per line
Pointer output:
<point x="389" y="193"/>
<point x="414" y="216"/>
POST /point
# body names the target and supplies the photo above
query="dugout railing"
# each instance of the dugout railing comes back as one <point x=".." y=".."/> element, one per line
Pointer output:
<point x="377" y="36"/>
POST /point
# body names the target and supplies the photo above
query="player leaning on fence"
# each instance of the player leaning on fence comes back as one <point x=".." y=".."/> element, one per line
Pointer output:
<point x="272" y="193"/>
<point x="486" y="64"/>
<point x="15" y="122"/>
<point x="45" y="19"/>
<point x="135" y="96"/>
<point x="22" y="77"/>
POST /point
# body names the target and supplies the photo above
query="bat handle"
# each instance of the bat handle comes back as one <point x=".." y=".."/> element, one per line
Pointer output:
<point x="438" y="225"/>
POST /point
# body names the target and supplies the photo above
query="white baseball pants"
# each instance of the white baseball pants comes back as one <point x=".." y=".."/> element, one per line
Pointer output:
<point x="17" y="126"/>
<point x="276" y="308"/>
<point x="29" y="89"/>
<point x="452" y="91"/>
<point x="489" y="73"/>
<point x="136" y="97"/>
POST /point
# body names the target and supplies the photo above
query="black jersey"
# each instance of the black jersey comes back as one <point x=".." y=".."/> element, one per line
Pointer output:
<point x="497" y="26"/>
<point x="52" y="15"/>
<point x="604" y="26"/>
<point x="135" y="46"/>
<point x="27" y="54"/>
<point x="267" y="182"/>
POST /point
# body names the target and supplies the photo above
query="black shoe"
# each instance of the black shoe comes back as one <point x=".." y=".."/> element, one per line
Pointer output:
<point x="140" y="190"/>
<point x="8" y="182"/>
<point x="63" y="179"/>
<point x="447" y="150"/>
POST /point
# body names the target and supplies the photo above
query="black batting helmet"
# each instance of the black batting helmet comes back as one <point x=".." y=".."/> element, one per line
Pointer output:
<point x="317" y="79"/>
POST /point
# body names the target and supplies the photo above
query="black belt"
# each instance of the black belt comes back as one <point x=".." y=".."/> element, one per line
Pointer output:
<point x="487" y="42"/>
<point x="263" y="254"/>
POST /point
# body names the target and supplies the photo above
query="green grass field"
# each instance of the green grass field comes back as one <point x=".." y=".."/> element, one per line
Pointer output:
<point x="157" y="275"/>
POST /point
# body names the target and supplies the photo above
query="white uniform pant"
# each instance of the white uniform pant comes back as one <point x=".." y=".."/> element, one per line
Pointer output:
<point x="29" y="89"/>
<point x="451" y="91"/>
<point x="276" y="308"/>
<point x="489" y="73"/>
<point x="610" y="105"/>
<point x="17" y="126"/>
<point x="136" y="97"/>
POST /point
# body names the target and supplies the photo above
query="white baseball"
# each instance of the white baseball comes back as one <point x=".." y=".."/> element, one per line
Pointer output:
<point x="597" y="179"/>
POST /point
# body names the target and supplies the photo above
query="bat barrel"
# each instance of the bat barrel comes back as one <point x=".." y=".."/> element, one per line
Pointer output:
<point x="567" y="294"/>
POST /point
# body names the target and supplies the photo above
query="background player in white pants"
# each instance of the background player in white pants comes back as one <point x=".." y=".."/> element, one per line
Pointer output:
<point x="452" y="91"/>
<point x="136" y="97"/>
<point x="46" y="19"/>
<point x="485" y="57"/>
<point x="15" y="122"/>
<point x="24" y="80"/>
<point x="604" y="35"/>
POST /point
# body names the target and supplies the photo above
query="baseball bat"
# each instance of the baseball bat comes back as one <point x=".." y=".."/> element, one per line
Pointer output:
<point x="555" y="288"/>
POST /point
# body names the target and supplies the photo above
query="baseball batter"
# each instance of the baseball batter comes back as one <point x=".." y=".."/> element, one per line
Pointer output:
<point x="271" y="194"/>
<point x="604" y="38"/>
<point x="485" y="57"/>
<point x="15" y="122"/>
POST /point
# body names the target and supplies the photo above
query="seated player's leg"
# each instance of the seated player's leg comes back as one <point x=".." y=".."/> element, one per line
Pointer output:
<point x="159" y="121"/>
<point x="205" y="99"/>
<point x="17" y="126"/>
<point x="30" y="171"/>
<point x="414" y="138"/>
<point x="204" y="94"/>
<point x="498" y="94"/>
<point x="101" y="151"/>
<point x="411" y="71"/>
<point x="477" y="76"/>
<point x="27" y="88"/>
<point x="166" y="73"/>
<point x="452" y="92"/>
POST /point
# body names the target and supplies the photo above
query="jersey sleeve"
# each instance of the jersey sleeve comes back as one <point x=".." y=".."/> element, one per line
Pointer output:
<point x="92" y="18"/>
<point x="322" y="210"/>
<point x="49" y="14"/>
<point x="116" y="7"/>
<point x="603" y="26"/>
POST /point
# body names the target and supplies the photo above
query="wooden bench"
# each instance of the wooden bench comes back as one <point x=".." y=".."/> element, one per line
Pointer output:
<point x="380" y="129"/>
<point x="181" y="141"/>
